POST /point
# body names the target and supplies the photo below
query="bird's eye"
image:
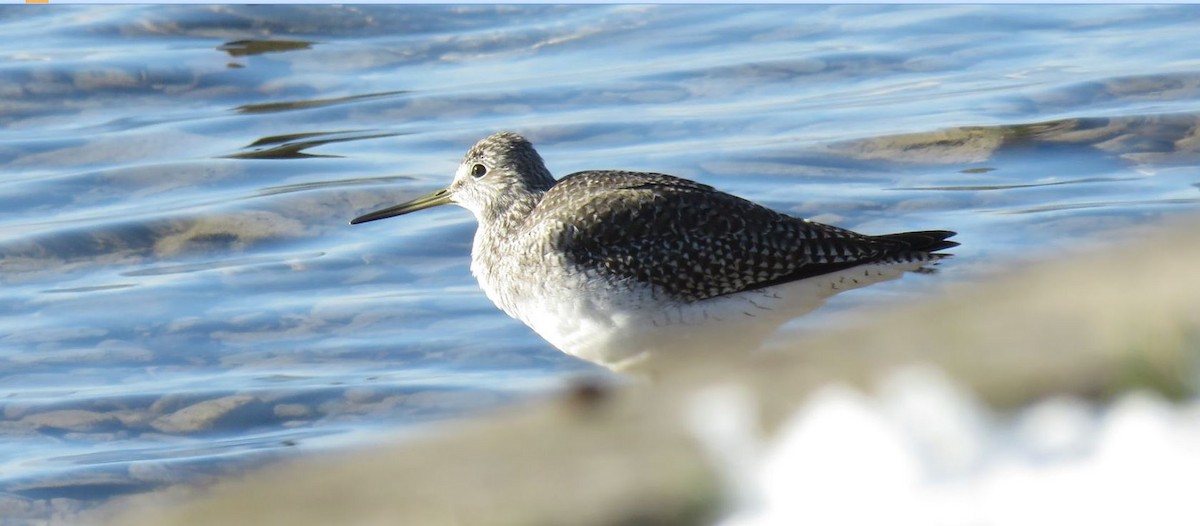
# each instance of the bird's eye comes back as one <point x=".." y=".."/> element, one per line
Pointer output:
<point x="478" y="171"/>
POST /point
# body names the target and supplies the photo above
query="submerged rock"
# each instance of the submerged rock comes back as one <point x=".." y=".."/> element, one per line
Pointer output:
<point x="73" y="420"/>
<point x="209" y="414"/>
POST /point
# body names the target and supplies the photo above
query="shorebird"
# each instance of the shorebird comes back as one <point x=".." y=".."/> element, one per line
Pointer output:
<point x="626" y="268"/>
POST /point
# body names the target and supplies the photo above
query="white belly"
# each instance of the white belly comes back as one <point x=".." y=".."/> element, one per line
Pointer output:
<point x="633" y="330"/>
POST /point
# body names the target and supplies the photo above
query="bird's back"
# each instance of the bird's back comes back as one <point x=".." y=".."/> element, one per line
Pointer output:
<point x="693" y="242"/>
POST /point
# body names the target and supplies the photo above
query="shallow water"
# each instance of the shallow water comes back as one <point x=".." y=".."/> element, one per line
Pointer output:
<point x="183" y="298"/>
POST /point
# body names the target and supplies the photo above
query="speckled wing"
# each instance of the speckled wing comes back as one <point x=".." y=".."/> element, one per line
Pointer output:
<point x="694" y="242"/>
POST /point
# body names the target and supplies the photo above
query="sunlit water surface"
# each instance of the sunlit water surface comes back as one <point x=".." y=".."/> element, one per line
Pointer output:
<point x="183" y="297"/>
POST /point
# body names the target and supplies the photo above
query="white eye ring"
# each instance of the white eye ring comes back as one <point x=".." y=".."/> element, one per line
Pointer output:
<point x="478" y="170"/>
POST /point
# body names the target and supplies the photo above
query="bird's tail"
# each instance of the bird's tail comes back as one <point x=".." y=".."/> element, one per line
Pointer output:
<point x="922" y="241"/>
<point x="918" y="247"/>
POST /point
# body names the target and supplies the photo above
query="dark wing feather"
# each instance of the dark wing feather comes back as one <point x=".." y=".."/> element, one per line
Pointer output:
<point x="695" y="242"/>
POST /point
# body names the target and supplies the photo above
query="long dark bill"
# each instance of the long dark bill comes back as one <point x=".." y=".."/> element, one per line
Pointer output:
<point x="437" y="198"/>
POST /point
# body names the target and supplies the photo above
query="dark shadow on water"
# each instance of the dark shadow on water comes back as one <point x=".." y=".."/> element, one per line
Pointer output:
<point x="278" y="139"/>
<point x="292" y="146"/>
<point x="272" y="107"/>
<point x="241" y="48"/>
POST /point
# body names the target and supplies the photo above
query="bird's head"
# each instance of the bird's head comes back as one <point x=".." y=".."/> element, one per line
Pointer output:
<point x="500" y="172"/>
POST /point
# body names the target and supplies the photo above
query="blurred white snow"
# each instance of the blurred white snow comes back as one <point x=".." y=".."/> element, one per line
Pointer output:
<point x="924" y="451"/>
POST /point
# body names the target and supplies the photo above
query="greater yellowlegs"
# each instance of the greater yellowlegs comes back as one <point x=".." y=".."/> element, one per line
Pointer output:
<point x="622" y="268"/>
